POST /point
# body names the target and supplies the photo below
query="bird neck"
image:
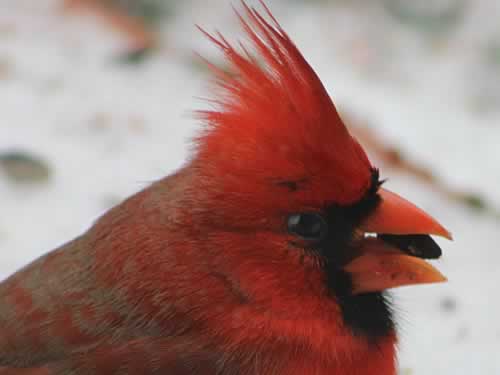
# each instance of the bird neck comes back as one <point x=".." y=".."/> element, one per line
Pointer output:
<point x="312" y="346"/>
<point x="375" y="359"/>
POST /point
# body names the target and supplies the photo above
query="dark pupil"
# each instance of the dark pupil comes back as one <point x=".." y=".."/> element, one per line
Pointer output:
<point x="309" y="226"/>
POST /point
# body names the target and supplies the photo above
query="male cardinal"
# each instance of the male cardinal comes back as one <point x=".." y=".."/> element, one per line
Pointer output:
<point x="269" y="252"/>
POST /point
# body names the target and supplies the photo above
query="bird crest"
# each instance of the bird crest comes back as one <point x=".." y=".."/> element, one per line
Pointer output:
<point x="274" y="120"/>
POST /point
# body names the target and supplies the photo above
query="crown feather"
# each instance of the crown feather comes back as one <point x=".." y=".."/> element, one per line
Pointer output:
<point x="273" y="111"/>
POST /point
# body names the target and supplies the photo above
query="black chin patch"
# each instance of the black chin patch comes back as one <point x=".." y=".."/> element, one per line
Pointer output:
<point x="370" y="314"/>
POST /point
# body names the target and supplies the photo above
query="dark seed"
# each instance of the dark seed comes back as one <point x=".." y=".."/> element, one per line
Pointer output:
<point x="418" y="245"/>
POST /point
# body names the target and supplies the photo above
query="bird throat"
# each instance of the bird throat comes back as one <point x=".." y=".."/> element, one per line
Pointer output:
<point x="369" y="315"/>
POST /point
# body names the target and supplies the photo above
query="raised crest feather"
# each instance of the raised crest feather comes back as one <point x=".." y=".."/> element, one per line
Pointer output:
<point x="273" y="111"/>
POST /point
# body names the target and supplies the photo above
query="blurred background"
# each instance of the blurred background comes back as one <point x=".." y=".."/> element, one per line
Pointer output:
<point x="96" y="100"/>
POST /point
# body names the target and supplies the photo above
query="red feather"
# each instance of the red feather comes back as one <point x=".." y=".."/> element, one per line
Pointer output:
<point x="197" y="272"/>
<point x="275" y="120"/>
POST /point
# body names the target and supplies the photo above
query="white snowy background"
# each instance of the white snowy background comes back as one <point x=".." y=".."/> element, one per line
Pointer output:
<point x="106" y="129"/>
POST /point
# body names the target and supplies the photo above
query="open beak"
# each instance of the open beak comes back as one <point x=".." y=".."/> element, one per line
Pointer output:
<point x="395" y="241"/>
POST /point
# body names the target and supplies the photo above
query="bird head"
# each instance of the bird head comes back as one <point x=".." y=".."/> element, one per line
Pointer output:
<point x="294" y="213"/>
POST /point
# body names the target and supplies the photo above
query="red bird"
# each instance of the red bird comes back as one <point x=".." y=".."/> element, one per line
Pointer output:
<point x="269" y="252"/>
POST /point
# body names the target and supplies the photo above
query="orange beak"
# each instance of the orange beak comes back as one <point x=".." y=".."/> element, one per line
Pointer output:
<point x="398" y="240"/>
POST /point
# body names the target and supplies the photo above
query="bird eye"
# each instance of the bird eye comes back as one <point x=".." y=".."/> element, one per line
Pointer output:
<point x="309" y="226"/>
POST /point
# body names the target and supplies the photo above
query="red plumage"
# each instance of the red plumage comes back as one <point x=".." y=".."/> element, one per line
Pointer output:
<point x="276" y="113"/>
<point x="202" y="272"/>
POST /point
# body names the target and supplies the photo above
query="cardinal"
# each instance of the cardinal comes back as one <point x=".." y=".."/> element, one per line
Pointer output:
<point x="269" y="252"/>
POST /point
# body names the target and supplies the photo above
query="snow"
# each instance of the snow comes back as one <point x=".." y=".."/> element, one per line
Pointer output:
<point x="107" y="130"/>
